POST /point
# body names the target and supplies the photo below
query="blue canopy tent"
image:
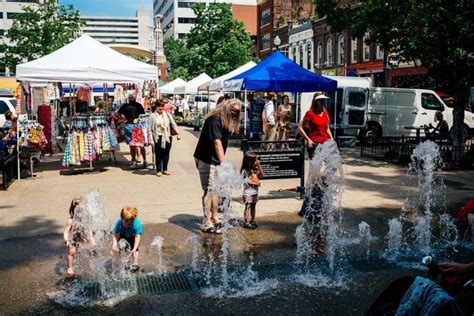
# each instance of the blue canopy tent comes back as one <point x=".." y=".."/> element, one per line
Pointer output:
<point x="279" y="73"/>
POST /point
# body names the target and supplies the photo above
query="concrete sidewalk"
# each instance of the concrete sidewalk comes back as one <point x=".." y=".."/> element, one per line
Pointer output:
<point x="39" y="205"/>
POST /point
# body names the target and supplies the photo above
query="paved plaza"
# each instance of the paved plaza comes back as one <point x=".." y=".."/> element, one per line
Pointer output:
<point x="34" y="211"/>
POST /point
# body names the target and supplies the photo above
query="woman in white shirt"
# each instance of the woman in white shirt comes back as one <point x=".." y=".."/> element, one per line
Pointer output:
<point x="161" y="124"/>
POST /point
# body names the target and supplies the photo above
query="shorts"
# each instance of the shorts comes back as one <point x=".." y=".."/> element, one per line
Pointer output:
<point x="284" y="126"/>
<point x="127" y="130"/>
<point x="250" y="199"/>
<point x="207" y="174"/>
<point x="130" y="240"/>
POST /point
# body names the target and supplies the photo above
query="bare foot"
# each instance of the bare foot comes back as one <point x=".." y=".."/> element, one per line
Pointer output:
<point x="70" y="273"/>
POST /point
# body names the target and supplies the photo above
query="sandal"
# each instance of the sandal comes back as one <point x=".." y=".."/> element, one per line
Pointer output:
<point x="248" y="226"/>
<point x="211" y="230"/>
<point x="218" y="225"/>
<point x="253" y="225"/>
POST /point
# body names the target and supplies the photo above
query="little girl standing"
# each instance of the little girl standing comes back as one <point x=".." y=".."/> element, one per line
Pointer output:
<point x="74" y="234"/>
<point x="252" y="170"/>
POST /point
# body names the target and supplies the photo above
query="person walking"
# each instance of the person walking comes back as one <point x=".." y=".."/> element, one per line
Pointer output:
<point x="268" y="118"/>
<point x="315" y="124"/>
<point x="161" y="124"/>
<point x="130" y="112"/>
<point x="210" y="153"/>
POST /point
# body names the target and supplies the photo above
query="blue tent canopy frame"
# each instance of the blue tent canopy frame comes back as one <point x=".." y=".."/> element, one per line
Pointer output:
<point x="279" y="73"/>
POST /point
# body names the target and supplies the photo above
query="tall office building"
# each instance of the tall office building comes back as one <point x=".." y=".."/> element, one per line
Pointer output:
<point x="178" y="17"/>
<point x="136" y="31"/>
<point x="8" y="10"/>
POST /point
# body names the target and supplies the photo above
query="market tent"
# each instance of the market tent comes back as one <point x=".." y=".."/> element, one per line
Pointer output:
<point x="86" y="60"/>
<point x="278" y="73"/>
<point x="218" y="83"/>
<point x="169" y="87"/>
<point x="192" y="86"/>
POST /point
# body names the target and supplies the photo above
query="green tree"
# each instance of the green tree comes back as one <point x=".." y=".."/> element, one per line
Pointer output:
<point x="41" y="29"/>
<point x="439" y="33"/>
<point x="216" y="45"/>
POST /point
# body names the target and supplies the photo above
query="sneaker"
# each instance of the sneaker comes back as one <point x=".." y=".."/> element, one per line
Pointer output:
<point x="166" y="173"/>
<point x="158" y="174"/>
<point x="134" y="165"/>
<point x="145" y="164"/>
<point x="134" y="268"/>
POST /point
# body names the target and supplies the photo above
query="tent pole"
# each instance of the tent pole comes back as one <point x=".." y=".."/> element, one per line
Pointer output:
<point x="208" y="100"/>
<point x="245" y="114"/>
<point x="335" y="115"/>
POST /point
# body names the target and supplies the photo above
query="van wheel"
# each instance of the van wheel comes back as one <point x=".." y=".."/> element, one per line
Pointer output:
<point x="371" y="134"/>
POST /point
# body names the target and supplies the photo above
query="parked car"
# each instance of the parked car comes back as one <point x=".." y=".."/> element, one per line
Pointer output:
<point x="6" y="104"/>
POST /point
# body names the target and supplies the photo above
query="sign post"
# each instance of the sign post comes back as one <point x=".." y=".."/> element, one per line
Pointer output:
<point x="279" y="164"/>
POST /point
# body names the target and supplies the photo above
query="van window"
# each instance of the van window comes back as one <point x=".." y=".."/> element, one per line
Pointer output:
<point x="3" y="107"/>
<point x="430" y="102"/>
<point x="357" y="99"/>
<point x="200" y="98"/>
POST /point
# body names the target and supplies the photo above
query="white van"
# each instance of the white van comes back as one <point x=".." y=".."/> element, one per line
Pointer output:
<point x="6" y="104"/>
<point x="363" y="110"/>
<point x="201" y="101"/>
<point x="395" y="111"/>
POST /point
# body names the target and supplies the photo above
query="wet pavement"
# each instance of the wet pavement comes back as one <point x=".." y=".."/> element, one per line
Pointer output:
<point x="32" y="268"/>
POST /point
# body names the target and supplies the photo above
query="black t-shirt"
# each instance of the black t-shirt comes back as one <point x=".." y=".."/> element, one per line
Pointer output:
<point x="131" y="110"/>
<point x="211" y="131"/>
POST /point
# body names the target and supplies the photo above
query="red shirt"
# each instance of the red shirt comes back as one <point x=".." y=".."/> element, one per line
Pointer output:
<point x="317" y="126"/>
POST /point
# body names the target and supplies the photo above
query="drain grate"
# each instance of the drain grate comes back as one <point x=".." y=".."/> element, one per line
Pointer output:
<point x="142" y="285"/>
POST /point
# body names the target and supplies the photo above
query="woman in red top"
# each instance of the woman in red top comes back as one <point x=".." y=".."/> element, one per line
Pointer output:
<point x="315" y="125"/>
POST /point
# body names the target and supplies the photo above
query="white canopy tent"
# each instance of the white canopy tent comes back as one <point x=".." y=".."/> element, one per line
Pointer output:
<point x="218" y="83"/>
<point x="86" y="60"/>
<point x="169" y="87"/>
<point x="192" y="86"/>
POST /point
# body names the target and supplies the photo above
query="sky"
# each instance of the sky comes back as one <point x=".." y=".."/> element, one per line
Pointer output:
<point x="110" y="7"/>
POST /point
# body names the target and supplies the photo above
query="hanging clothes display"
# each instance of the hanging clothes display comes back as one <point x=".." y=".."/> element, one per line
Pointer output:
<point x="44" y="118"/>
<point x="89" y="138"/>
<point x="141" y="135"/>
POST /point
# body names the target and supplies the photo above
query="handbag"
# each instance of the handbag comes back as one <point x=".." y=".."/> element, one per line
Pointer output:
<point x="173" y="129"/>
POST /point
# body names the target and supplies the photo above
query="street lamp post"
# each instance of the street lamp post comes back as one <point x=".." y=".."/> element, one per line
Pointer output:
<point x="277" y="42"/>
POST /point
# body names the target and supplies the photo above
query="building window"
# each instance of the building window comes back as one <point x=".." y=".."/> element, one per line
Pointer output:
<point x="181" y="35"/>
<point x="365" y="47"/>
<point x="24" y="1"/>
<point x="379" y="52"/>
<point x="329" y="59"/>
<point x="301" y="62"/>
<point x="319" y="54"/>
<point x="13" y="15"/>
<point x="294" y="53"/>
<point x="265" y="42"/>
<point x="265" y="17"/>
<point x="185" y="4"/>
<point x="340" y="50"/>
<point x="187" y="20"/>
<point x="309" y="55"/>
<point x="354" y="50"/>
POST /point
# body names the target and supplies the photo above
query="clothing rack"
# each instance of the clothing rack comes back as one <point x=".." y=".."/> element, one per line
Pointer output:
<point x="85" y="123"/>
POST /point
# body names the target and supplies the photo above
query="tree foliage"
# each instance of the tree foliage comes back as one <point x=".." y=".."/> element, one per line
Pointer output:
<point x="439" y="33"/>
<point x="41" y="29"/>
<point x="216" y="45"/>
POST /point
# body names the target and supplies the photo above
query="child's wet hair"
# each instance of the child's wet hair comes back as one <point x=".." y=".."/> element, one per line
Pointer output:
<point x="129" y="213"/>
<point x="74" y="203"/>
